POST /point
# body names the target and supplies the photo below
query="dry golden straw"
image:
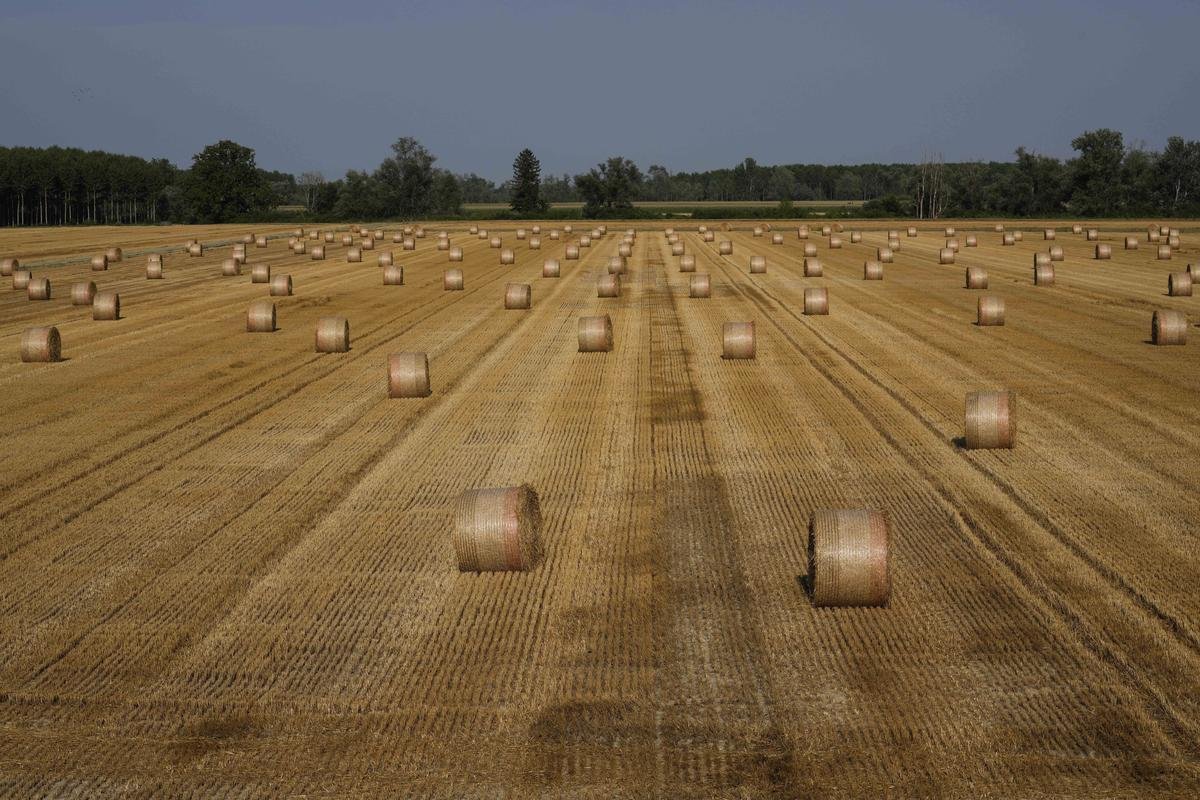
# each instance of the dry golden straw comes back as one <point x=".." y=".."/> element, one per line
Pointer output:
<point x="260" y="241"/>
<point x="1008" y="240"/>
<point x="758" y="265"/>
<point x="813" y="268"/>
<point x="1164" y="252"/>
<point x="608" y="286"/>
<point x="300" y="248"/>
<point x="1168" y="327"/>
<point x="8" y="266"/>
<point x="835" y="242"/>
<point x="990" y="420"/>
<point x="572" y="252"/>
<point x="38" y="289"/>
<point x="848" y="558"/>
<point x="106" y="306"/>
<point x="83" y="293"/>
<point x="737" y="340"/>
<point x="333" y="335"/>
<point x="260" y="273"/>
<point x="1093" y="234"/>
<point x="154" y="270"/>
<point x="1056" y="252"/>
<point x="1049" y="234"/>
<point x="977" y="278"/>
<point x="231" y="267"/>
<point x="517" y="295"/>
<point x="535" y="243"/>
<point x="386" y="259"/>
<point x="616" y="265"/>
<point x="912" y="232"/>
<point x="945" y="256"/>
<point x="551" y="268"/>
<point x="595" y="334"/>
<point x="1103" y="252"/>
<point x="1043" y="275"/>
<point x="1179" y="284"/>
<point x="408" y="375"/>
<point x="393" y="275"/>
<point x="725" y="248"/>
<point x="21" y="279"/>
<point x="1041" y="259"/>
<point x="41" y="344"/>
<point x="816" y="301"/>
<point x="452" y="280"/>
<point x="99" y="263"/>
<point x="810" y="250"/>
<point x="872" y="271"/>
<point x="687" y="263"/>
<point x="776" y="238"/>
<point x="281" y="286"/>
<point x="260" y="318"/>
<point x="498" y="530"/>
<point x="456" y="254"/>
<point x="700" y="286"/>
<point x="507" y="256"/>
<point x="972" y="240"/>
<point x="989" y="310"/>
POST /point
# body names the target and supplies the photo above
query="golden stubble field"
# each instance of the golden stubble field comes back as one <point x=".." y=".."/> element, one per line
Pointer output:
<point x="225" y="560"/>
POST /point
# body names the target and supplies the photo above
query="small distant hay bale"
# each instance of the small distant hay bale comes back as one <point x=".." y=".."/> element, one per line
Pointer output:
<point x="826" y="230"/>
<point x="677" y="249"/>
<point x="536" y="230"/>
<point x="991" y="420"/>
<point x="408" y="375"/>
<point x="687" y="263"/>
<point x="518" y="296"/>
<point x="1008" y="240"/>
<point x="802" y="232"/>
<point x="551" y="268"/>
<point x="1103" y="252"/>
<point x="38" y="289"/>
<point x="8" y="266"/>
<point x="672" y="238"/>
<point x="1179" y="284"/>
<point x="776" y="238"/>
<point x="498" y="530"/>
<point x="608" y="286"/>
<point x="455" y="254"/>
<point x="260" y="241"/>
<point x="835" y="242"/>
<point x="369" y="244"/>
<point x="855" y="237"/>
<point x="452" y="280"/>
<point x="116" y="255"/>
<point x="386" y="258"/>
<point x="872" y="271"/>
<point x="572" y="252"/>
<point x="260" y="273"/>
<point x="354" y="255"/>
<point x="1164" y="252"/>
<point x="952" y="244"/>
<point x="1194" y="271"/>
<point x="998" y="228"/>
<point x="976" y="278"/>
<point x="816" y="301"/>
<point x="701" y="228"/>
<point x="1018" y="236"/>
<point x="83" y="293"/>
<point x="397" y="238"/>
<point x="738" y="340"/>
<point x="1041" y="259"/>
<point x="106" y="306"/>
<point x="1048" y="234"/>
<point x="585" y="241"/>
<point x="1076" y="228"/>
<point x="1056" y="252"/>
<point x="595" y="334"/>
<point x="1092" y="234"/>
<point x="260" y="318"/>
<point x="597" y="233"/>
<point x="494" y="242"/>
<point x="317" y="253"/>
<point x="555" y="235"/>
<point x="725" y="248"/>
<point x="314" y="235"/>
<point x="894" y="244"/>
<point x="616" y="265"/>
<point x="347" y="240"/>
<point x="379" y="235"/>
<point x="1173" y="242"/>
<point x="911" y="232"/>
<point x="281" y="286"/>
<point x="758" y="265"/>
<point x="625" y="251"/>
<point x="837" y="227"/>
<point x="1168" y="326"/>
<point x="443" y="244"/>
<point x="1043" y="275"/>
<point x="231" y="267"/>
<point x="474" y="229"/>
<point x="700" y="286"/>
<point x="507" y="256"/>
<point x="419" y="232"/>
<point x="329" y="237"/>
<point x="248" y="238"/>
<point x="972" y="240"/>
<point x="710" y="236"/>
<point x="41" y="345"/>
<point x="332" y="335"/>
<point x="408" y="244"/>
<point x="810" y="250"/>
<point x="154" y="270"/>
<point x="758" y="231"/>
<point x="521" y="234"/>
<point x="21" y="279"/>
<point x="945" y="256"/>
<point x="393" y="275"/>
<point x="883" y="255"/>
<point x="848" y="558"/>
<point x="300" y="247"/>
<point x="813" y="268"/>
<point x="195" y="250"/>
<point x="989" y="310"/>
<point x="1164" y="230"/>
<point x="535" y="243"/>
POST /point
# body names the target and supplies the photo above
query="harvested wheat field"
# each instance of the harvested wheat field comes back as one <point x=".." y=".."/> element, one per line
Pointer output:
<point x="228" y="561"/>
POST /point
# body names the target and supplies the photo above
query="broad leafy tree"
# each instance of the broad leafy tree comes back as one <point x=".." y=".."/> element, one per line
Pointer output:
<point x="225" y="183"/>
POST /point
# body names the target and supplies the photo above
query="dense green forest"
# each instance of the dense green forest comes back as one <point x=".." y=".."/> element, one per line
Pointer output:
<point x="1105" y="178"/>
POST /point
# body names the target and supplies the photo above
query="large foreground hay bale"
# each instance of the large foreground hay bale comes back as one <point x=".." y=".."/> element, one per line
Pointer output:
<point x="872" y="271"/>
<point x="452" y="280"/>
<point x="1103" y="252"/>
<point x="393" y="275"/>
<point x="1168" y="326"/>
<point x="989" y="310"/>
<point x="976" y="278"/>
<point x="551" y="268"/>
<point x="41" y="344"/>
<point x="990" y="420"/>
<point x="700" y="286"/>
<point x="281" y="286"/>
<point x="260" y="318"/>
<point x="595" y="334"/>
<point x="106" y="306"/>
<point x="332" y="335"/>
<point x="848" y="558"/>
<point x="408" y="375"/>
<point x="38" y="289"/>
<point x="816" y="301"/>
<point x="83" y="293"/>
<point x="517" y="296"/>
<point x="738" y="340"/>
<point x="498" y="530"/>
<point x="1179" y="284"/>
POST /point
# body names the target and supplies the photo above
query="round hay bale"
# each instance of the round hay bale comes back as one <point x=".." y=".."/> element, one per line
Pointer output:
<point x="572" y="252"/>
<point x="456" y="254"/>
<point x="758" y="231"/>
<point x="813" y="268"/>
<point x="1164" y="230"/>
<point x="260" y="241"/>
<point x="443" y="244"/>
<point x="408" y="375"/>
<point x="672" y="238"/>
<point x="551" y="268"/>
<point x="816" y="301"/>
<point x="397" y="238"/>
<point x="239" y="258"/>
<point x="317" y="253"/>
<point x="555" y="235"/>
<point x="106" y="306"/>
<point x="894" y="244"/>
<point x="393" y="275"/>
<point x="369" y="244"/>
<point x="1008" y="240"/>
<point x="687" y="263"/>
<point x="758" y="265"/>
<point x="989" y="310"/>
<point x="347" y="240"/>
<point x="738" y="340"/>
<point x="41" y="344"/>
<point x="977" y="278"/>
<point x="298" y="232"/>
<point x="1077" y="228"/>
<point x="810" y="250"/>
<point x="1043" y="275"/>
<point x="945" y="256"/>
<point x="329" y="237"/>
<point x="837" y="227"/>
<point x="855" y="237"/>
<point x="585" y="241"/>
<point x="1018" y="236"/>
<point x="452" y="280"/>
<point x="154" y="271"/>
<point x="157" y="258"/>
<point x="972" y="240"/>
<point x="991" y="420"/>
<point x="354" y="255"/>
<point x="883" y="255"/>
<point x="912" y="232"/>
<point x="1056" y="252"/>
<point x="314" y="235"/>
<point x="379" y="235"/>
<point x="608" y="286"/>
<point x="802" y="232"/>
<point x="409" y="244"/>
<point x="1048" y="234"/>
<point x="725" y="248"/>
<point x="710" y="236"/>
<point x="115" y="254"/>
<point x="21" y="279"/>
<point x="776" y="238"/>
<point x="826" y="230"/>
<point x="333" y="335"/>
<point x="998" y="228"/>
<point x="677" y="249"/>
<point x="1103" y="252"/>
<point x="1041" y="259"/>
<point x="952" y="244"/>
<point x="507" y="256"/>
<point x="616" y="265"/>
<point x="521" y="233"/>
<point x="597" y="233"/>
<point x="494" y="242"/>
<point x="281" y="286"/>
<point x="700" y="285"/>
<point x="950" y="231"/>
<point x="231" y="267"/>
<point x="38" y="289"/>
<point x="8" y="266"/>
<point x="535" y="243"/>
<point x="872" y="271"/>
<point x="518" y="296"/>
<point x="595" y="334"/>
<point x="474" y="229"/>
<point x="260" y="273"/>
<point x="1168" y="327"/>
<point x="1164" y="252"/>
<point x="83" y="293"/>
<point x="419" y="232"/>
<point x="195" y="250"/>
<point x="536" y="230"/>
<point x="260" y="318"/>
<point x="1194" y="271"/>
<point x="300" y="247"/>
<point x="1092" y="234"/>
<point x="848" y="558"/>
<point x="701" y="228"/>
<point x="1173" y="242"/>
<point x="1172" y="231"/>
<point x="248" y="238"/>
<point x="835" y="242"/>
<point x="1179" y="284"/>
<point x="498" y="530"/>
<point x="625" y="251"/>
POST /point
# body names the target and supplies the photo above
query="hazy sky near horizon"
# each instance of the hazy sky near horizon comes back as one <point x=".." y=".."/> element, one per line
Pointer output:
<point x="328" y="86"/>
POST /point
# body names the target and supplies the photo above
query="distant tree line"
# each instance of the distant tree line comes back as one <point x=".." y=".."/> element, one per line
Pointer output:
<point x="1105" y="178"/>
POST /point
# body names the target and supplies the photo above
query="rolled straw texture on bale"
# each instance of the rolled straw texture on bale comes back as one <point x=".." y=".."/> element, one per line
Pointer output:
<point x="115" y="254"/>
<point x="354" y="255"/>
<point x="1076" y="228"/>
<point x="38" y="289"/>
<point x="816" y="301"/>
<point x="855" y="237"/>
<point x="231" y="267"/>
<point x="1049" y="234"/>
<point x="912" y="232"/>
<point x="495" y="242"/>
<point x="608" y="286"/>
<point x="813" y="268"/>
<point x="1179" y="284"/>
<point x="1103" y="252"/>
<point x="452" y="280"/>
<point x="393" y="275"/>
<point x="1168" y="327"/>
<point x="106" y="306"/>
<point x="260" y="318"/>
<point x="1041" y="259"/>
<point x="952" y="244"/>
<point x="300" y="248"/>
<point x="945" y="256"/>
<point x="738" y="340"/>
<point x="408" y="244"/>
<point x="810" y="250"/>
<point x="408" y="375"/>
<point x="21" y="279"/>
<point x="687" y="263"/>
<point x="991" y="420"/>
<point x="951" y="231"/>
<point x="195" y="250"/>
<point x="777" y="238"/>
<point x="700" y="286"/>
<point x="517" y="295"/>
<point x="999" y="228"/>
<point x="1131" y="243"/>
<point x="872" y="271"/>
<point x="709" y="236"/>
<point x="725" y="248"/>
<point x="555" y="235"/>
<point x="99" y="263"/>
<point x="883" y="255"/>
<point x="154" y="270"/>
<point x="498" y="530"/>
<point x="677" y="249"/>
<point x="456" y="254"/>
<point x="835" y="242"/>
<point x="1043" y="275"/>
<point x="572" y="252"/>
<point x="551" y="268"/>
<point x="281" y="286"/>
<point x="1008" y="240"/>
<point x="386" y="259"/>
<point x="616" y="265"/>
<point x="41" y="344"/>
<point x="332" y="335"/>
<point x="535" y="243"/>
<point x="848" y="558"/>
<point x="1056" y="252"/>
<point x="972" y="240"/>
<point x="347" y="240"/>
<point x="758" y="265"/>
<point x="826" y="230"/>
<point x="976" y="278"/>
<point x="8" y="266"/>
<point x="1164" y="252"/>
<point x="507" y="256"/>
<point x="1018" y="235"/>
<point x="1093" y="234"/>
<point x="260" y="241"/>
<point x="802" y="232"/>
<point x="260" y="273"/>
<point x="595" y="334"/>
<point x="989" y="311"/>
<point x="83" y="293"/>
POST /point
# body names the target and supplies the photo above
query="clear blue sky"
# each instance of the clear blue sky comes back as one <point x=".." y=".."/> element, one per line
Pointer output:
<point x="328" y="86"/>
